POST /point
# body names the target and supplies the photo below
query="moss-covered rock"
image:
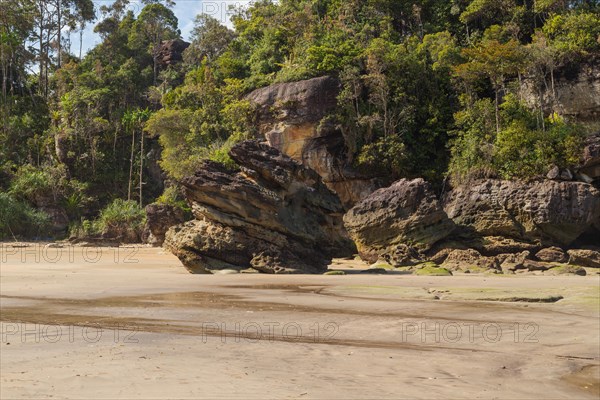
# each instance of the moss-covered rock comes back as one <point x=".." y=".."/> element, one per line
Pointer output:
<point x="334" y="273"/>
<point x="433" y="270"/>
<point x="381" y="265"/>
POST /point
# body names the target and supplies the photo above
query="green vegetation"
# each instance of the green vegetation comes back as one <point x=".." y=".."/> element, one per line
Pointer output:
<point x="19" y="218"/>
<point x="430" y="270"/>
<point x="123" y="219"/>
<point x="429" y="88"/>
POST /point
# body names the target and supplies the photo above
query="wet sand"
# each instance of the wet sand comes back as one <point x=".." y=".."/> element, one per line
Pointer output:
<point x="86" y="323"/>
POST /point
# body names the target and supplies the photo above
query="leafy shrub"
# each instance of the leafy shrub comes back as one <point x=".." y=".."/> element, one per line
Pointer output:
<point x="121" y="219"/>
<point x="121" y="214"/>
<point x="18" y="218"/>
<point x="387" y="154"/>
<point x="50" y="184"/>
<point x="31" y="183"/>
<point x="172" y="197"/>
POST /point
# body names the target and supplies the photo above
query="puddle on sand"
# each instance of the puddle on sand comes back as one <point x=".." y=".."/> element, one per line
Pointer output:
<point x="586" y="379"/>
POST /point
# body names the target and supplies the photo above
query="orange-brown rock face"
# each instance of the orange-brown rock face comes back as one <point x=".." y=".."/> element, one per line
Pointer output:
<point x="293" y="118"/>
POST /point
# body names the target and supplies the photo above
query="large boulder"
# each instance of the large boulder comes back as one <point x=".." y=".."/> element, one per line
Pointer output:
<point x="293" y="117"/>
<point x="547" y="212"/>
<point x="589" y="168"/>
<point x="275" y="216"/>
<point x="398" y="222"/>
<point x="584" y="257"/>
<point x="159" y="218"/>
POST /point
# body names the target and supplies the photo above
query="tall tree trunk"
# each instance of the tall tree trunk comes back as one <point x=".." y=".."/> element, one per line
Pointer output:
<point x="552" y="84"/>
<point x="41" y="55"/>
<point x="5" y="64"/>
<point x="47" y="63"/>
<point x="542" y="110"/>
<point x="154" y="57"/>
<point x="80" y="41"/>
<point x="141" y="165"/>
<point x="497" y="110"/>
<point x="59" y="22"/>
<point x="131" y="164"/>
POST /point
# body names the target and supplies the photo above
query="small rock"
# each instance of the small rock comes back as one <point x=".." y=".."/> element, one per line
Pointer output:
<point x="586" y="258"/>
<point x="554" y="173"/>
<point x="566" y="175"/>
<point x="552" y="254"/>
<point x="470" y="259"/>
<point x="535" y="265"/>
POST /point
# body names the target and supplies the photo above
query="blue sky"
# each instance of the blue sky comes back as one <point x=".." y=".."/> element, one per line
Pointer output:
<point x="185" y="11"/>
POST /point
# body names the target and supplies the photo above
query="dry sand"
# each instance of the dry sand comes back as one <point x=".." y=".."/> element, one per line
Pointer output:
<point x="132" y="323"/>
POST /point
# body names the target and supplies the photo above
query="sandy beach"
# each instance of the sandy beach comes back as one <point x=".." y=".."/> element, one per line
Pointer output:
<point x="90" y="323"/>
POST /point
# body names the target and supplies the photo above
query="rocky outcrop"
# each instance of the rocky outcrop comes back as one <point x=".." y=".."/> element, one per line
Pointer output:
<point x="293" y="117"/>
<point x="488" y="226"/>
<point x="275" y="216"/>
<point x="589" y="169"/>
<point x="576" y="92"/>
<point x="398" y="223"/>
<point x="547" y="213"/>
<point x="171" y="52"/>
<point x="159" y="218"/>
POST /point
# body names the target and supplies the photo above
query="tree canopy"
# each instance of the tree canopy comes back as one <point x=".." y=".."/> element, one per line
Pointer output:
<point x="429" y="88"/>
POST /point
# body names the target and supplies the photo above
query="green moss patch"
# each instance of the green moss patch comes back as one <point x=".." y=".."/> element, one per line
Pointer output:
<point x="433" y="271"/>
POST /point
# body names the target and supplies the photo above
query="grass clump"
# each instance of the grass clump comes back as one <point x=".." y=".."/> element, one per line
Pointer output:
<point x="121" y="219"/>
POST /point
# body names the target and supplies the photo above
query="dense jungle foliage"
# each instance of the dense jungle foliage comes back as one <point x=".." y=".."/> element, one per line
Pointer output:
<point x="430" y="88"/>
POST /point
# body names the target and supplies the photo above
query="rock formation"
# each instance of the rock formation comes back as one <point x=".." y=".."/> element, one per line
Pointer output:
<point x="292" y="117"/>
<point x="159" y="218"/>
<point x="398" y="222"/>
<point x="547" y="212"/>
<point x="576" y="93"/>
<point x="171" y="52"/>
<point x="490" y="225"/>
<point x="274" y="216"/>
<point x="589" y="170"/>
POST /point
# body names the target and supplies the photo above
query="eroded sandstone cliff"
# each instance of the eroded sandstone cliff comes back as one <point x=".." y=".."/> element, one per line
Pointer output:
<point x="293" y="117"/>
<point x="274" y="216"/>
